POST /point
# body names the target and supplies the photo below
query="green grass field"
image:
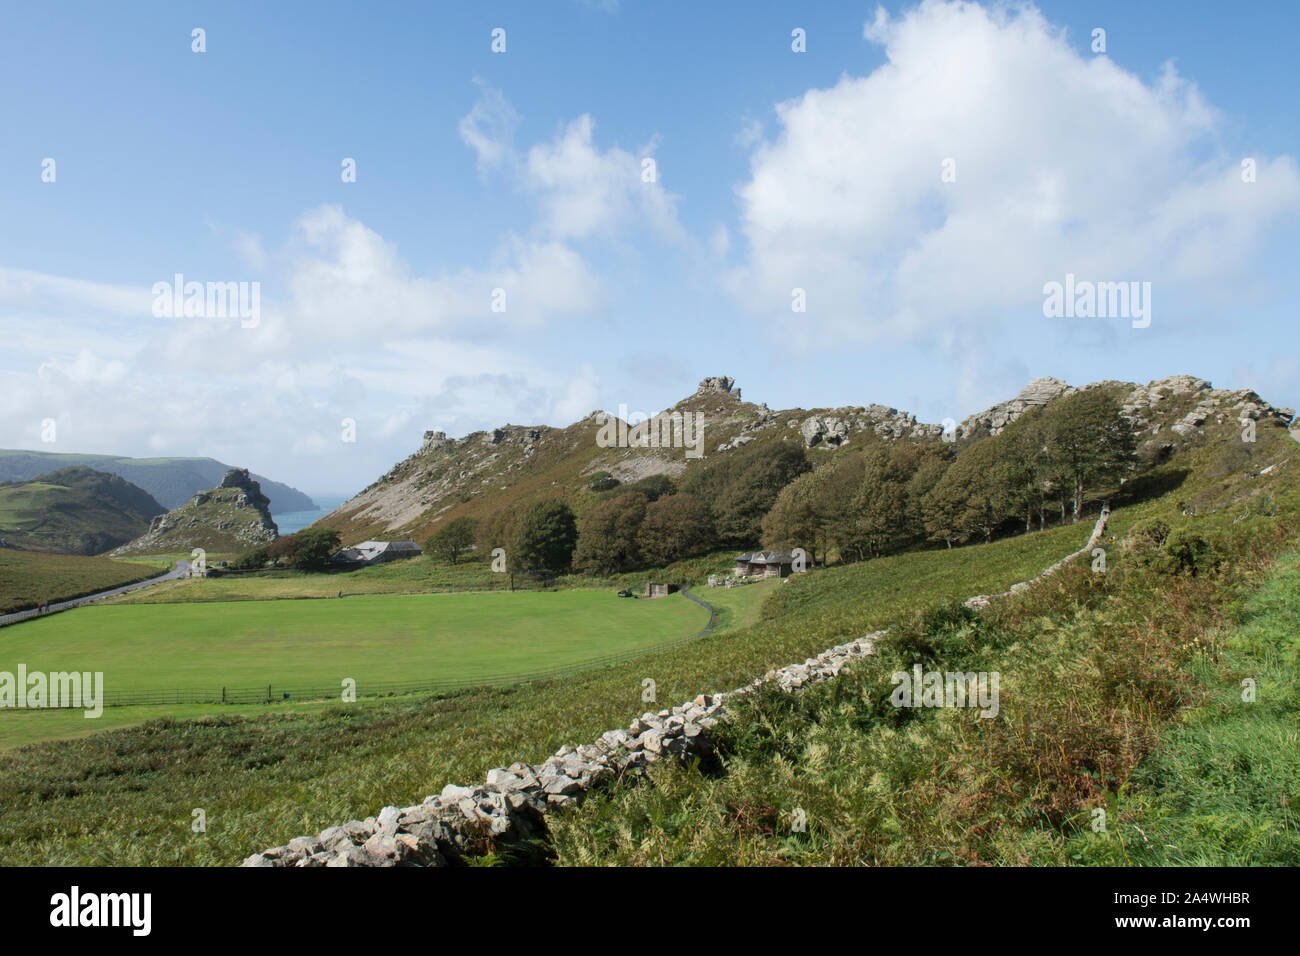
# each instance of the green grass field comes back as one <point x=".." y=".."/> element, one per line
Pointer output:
<point x="28" y="578"/>
<point x="317" y="643"/>
<point x="1105" y="675"/>
<point x="736" y="608"/>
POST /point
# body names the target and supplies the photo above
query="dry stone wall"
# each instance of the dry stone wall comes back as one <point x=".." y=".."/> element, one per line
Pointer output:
<point x="510" y="805"/>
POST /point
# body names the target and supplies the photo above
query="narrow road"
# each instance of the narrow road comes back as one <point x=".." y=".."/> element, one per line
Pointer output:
<point x="182" y="568"/>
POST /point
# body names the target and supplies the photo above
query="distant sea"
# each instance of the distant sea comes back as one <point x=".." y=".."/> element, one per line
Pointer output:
<point x="290" y="521"/>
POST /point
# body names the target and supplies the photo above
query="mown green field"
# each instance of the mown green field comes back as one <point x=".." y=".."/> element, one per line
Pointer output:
<point x="413" y="576"/>
<point x="295" y="645"/>
<point x="735" y="608"/>
<point x="29" y="578"/>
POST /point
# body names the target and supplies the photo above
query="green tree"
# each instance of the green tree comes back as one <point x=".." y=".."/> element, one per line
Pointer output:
<point x="607" y="535"/>
<point x="1091" y="445"/>
<point x="930" y="468"/>
<point x="253" y="559"/>
<point x="750" y="490"/>
<point x="453" y="539"/>
<point x="964" y="504"/>
<point x="653" y="487"/>
<point x="308" y="550"/>
<point x="879" y="509"/>
<point x="543" y="537"/>
<point x="793" y="521"/>
<point x="675" y="527"/>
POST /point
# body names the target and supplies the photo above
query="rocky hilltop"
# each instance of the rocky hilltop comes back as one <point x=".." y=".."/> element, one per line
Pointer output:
<point x="485" y="471"/>
<point x="229" y="518"/>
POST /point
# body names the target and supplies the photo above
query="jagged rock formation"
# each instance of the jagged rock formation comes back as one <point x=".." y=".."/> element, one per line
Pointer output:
<point x="834" y="430"/>
<point x="1148" y="406"/>
<point x="717" y="383"/>
<point x="1038" y="392"/>
<point x="488" y="470"/>
<point x="232" y="517"/>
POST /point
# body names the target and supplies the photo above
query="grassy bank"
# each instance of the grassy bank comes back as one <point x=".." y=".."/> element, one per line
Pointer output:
<point x="125" y="796"/>
<point x="29" y="578"/>
<point x="1119" y="692"/>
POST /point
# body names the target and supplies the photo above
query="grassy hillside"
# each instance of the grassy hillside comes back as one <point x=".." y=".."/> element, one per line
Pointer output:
<point x="74" y="510"/>
<point x="29" y="578"/>
<point x="1100" y="669"/>
<point x="480" y="474"/>
<point x="1120" y="691"/>
<point x="486" y="473"/>
<point x="264" y="779"/>
<point x="172" y="481"/>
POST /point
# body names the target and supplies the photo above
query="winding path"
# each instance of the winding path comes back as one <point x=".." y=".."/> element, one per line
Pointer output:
<point x="181" y="569"/>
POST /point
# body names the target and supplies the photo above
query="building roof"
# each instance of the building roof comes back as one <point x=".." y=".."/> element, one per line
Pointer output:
<point x="381" y="546"/>
<point x="368" y="551"/>
<point x="767" y="557"/>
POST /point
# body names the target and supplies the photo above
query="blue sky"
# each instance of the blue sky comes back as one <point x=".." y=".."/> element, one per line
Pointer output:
<point x="521" y="170"/>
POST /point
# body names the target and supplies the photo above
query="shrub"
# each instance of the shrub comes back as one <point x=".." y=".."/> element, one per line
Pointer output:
<point x="1181" y="550"/>
<point x="252" y="560"/>
<point x="1187" y="550"/>
<point x="1147" y="537"/>
<point x="602" y="481"/>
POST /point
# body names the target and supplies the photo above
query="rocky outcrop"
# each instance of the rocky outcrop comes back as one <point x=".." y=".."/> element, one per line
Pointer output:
<point x="1143" y="405"/>
<point x="836" y="428"/>
<point x="716" y="383"/>
<point x="483" y="472"/>
<point x="230" y="518"/>
<point x="1038" y="392"/>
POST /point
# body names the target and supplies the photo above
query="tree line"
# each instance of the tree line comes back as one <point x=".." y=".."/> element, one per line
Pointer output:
<point x="885" y="497"/>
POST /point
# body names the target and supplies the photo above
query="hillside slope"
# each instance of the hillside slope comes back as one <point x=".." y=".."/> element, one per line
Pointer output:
<point x="484" y="472"/>
<point x="229" y="518"/>
<point x="172" y="481"/>
<point x="74" y="510"/>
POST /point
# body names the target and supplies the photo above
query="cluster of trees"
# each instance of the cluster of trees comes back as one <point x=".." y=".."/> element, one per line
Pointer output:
<point x="885" y="497"/>
<point x="306" y="550"/>
<point x="538" y="536"/>
<point x="655" y="521"/>
<point x="631" y="531"/>
<point x="860" y="504"/>
<point x="895" y="495"/>
<point x="1048" y="458"/>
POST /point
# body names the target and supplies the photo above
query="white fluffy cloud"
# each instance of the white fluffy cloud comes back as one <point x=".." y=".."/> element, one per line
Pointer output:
<point x="588" y="192"/>
<point x="348" y="329"/>
<point x="1064" y="162"/>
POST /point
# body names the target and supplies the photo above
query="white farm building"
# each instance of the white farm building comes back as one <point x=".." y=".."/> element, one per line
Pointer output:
<point x="377" y="552"/>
